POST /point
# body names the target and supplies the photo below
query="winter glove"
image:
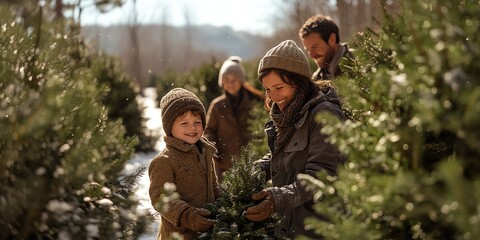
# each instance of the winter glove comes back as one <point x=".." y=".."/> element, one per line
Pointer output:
<point x="264" y="209"/>
<point x="194" y="219"/>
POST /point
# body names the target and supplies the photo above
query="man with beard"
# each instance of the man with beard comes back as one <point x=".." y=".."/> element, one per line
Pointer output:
<point x="320" y="37"/>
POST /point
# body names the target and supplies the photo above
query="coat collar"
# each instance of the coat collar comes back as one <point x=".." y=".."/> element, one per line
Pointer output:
<point x="185" y="147"/>
<point x="306" y="108"/>
<point x="333" y="66"/>
<point x="180" y="145"/>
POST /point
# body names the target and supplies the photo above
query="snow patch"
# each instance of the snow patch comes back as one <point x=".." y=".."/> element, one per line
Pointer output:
<point x="153" y="123"/>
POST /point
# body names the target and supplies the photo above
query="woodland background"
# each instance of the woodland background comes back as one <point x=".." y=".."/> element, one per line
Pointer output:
<point x="149" y="52"/>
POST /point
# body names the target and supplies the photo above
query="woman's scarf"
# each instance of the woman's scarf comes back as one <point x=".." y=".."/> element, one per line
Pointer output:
<point x="285" y="120"/>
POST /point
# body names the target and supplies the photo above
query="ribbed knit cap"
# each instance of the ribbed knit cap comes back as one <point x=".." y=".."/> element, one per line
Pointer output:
<point x="232" y="66"/>
<point x="287" y="56"/>
<point x="176" y="102"/>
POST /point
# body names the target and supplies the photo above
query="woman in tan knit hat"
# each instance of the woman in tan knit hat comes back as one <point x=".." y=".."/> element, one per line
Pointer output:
<point x="296" y="143"/>
<point x="229" y="114"/>
<point x="187" y="162"/>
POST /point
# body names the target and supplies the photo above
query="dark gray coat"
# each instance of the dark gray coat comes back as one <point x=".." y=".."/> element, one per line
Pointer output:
<point x="305" y="152"/>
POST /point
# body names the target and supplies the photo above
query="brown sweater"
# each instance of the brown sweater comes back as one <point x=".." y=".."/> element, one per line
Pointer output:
<point x="192" y="171"/>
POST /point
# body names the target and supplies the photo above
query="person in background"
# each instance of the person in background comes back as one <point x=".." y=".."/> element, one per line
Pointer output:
<point x="229" y="114"/>
<point x="320" y="37"/>
<point x="187" y="162"/>
<point x="297" y="145"/>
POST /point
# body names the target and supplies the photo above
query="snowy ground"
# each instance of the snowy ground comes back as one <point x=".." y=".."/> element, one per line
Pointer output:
<point x="152" y="113"/>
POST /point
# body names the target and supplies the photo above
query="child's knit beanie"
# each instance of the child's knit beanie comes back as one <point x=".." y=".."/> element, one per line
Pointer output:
<point x="233" y="66"/>
<point x="176" y="102"/>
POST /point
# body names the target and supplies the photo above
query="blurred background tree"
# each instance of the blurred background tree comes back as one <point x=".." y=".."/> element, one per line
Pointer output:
<point x="413" y="137"/>
<point x="122" y="90"/>
<point x="62" y="156"/>
<point x="203" y="81"/>
<point x="122" y="99"/>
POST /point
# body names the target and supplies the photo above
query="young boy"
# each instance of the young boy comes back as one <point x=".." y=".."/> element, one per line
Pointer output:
<point x="187" y="162"/>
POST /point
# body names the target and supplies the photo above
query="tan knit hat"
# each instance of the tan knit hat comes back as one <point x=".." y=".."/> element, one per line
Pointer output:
<point x="232" y="66"/>
<point x="287" y="56"/>
<point x="176" y="102"/>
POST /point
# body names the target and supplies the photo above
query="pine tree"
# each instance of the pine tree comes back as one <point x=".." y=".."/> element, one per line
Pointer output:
<point x="60" y="170"/>
<point x="203" y="81"/>
<point x="256" y="126"/>
<point x="412" y="94"/>
<point x="241" y="181"/>
<point x="121" y="99"/>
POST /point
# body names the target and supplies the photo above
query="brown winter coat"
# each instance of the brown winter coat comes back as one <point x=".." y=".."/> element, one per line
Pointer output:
<point x="228" y="131"/>
<point x="192" y="171"/>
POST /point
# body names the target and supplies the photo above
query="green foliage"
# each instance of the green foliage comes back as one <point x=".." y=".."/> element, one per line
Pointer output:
<point x="202" y="81"/>
<point x="121" y="99"/>
<point x="61" y="155"/>
<point x="259" y="142"/>
<point x="121" y="90"/>
<point x="251" y="68"/>
<point x="413" y="137"/>
<point x="260" y="115"/>
<point x="241" y="181"/>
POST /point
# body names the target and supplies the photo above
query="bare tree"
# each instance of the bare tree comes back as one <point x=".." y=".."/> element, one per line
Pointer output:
<point x="293" y="14"/>
<point x="133" y="29"/>
<point x="102" y="6"/>
<point x="388" y="5"/>
<point x="354" y="16"/>
<point x="58" y="9"/>
<point x="165" y="44"/>
<point x="344" y="18"/>
<point x="363" y="15"/>
<point x="188" y="37"/>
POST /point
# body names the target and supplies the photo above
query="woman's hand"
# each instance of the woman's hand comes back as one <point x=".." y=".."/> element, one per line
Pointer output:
<point x="264" y="209"/>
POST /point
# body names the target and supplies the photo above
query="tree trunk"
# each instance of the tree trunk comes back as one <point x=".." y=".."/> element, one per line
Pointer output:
<point x="58" y="9"/>
<point x="135" y="48"/>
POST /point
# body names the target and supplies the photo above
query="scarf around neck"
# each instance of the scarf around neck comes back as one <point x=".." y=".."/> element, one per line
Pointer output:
<point x="284" y="120"/>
